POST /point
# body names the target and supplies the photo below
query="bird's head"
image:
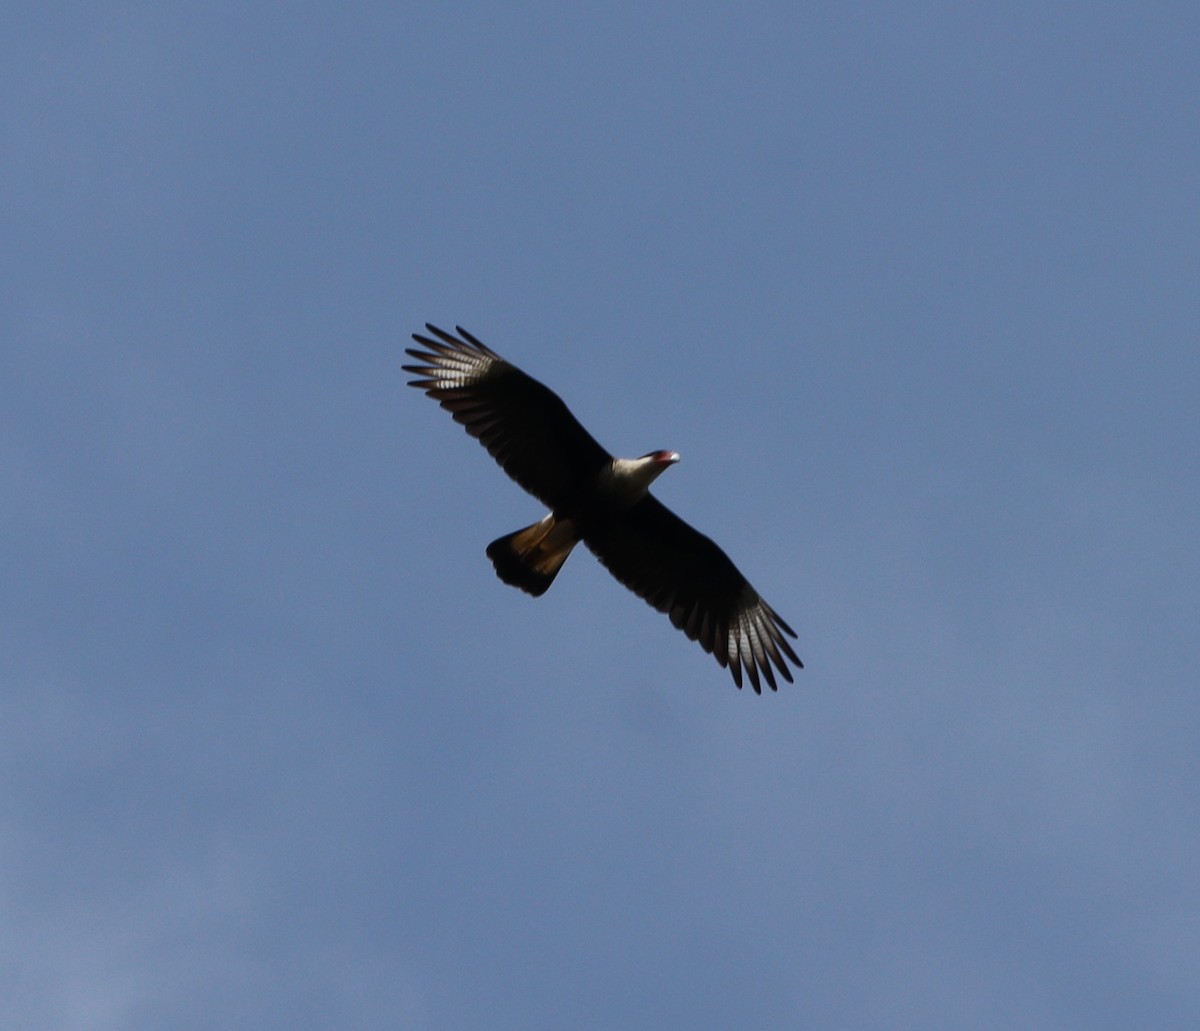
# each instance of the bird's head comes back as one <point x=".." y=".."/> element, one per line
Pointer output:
<point x="661" y="459"/>
<point x="655" y="463"/>
<point x="633" y="476"/>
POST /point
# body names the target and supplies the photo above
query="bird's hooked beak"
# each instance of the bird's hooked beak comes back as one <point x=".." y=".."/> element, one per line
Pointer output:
<point x="665" y="458"/>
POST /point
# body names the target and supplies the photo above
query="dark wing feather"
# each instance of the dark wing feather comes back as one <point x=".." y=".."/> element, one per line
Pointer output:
<point x="684" y="574"/>
<point x="524" y="425"/>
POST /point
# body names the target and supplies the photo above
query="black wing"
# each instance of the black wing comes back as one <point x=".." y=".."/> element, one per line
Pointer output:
<point x="684" y="574"/>
<point x="524" y="425"/>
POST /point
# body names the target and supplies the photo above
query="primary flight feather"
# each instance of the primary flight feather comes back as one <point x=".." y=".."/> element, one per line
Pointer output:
<point x="600" y="500"/>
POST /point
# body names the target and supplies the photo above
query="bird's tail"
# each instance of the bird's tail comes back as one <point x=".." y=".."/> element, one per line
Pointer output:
<point x="531" y="558"/>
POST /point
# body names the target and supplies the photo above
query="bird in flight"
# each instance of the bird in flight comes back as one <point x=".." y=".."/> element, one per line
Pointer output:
<point x="600" y="500"/>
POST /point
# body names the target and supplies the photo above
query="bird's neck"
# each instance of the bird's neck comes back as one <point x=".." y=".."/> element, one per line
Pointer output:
<point x="631" y="477"/>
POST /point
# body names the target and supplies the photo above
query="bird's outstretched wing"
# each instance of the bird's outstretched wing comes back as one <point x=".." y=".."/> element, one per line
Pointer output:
<point x="684" y="574"/>
<point x="525" y="426"/>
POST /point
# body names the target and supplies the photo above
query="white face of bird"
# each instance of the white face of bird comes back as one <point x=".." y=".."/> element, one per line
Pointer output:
<point x="653" y="464"/>
<point x="634" y="475"/>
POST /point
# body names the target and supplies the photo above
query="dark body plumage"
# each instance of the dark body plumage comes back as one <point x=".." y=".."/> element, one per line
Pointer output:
<point x="603" y="501"/>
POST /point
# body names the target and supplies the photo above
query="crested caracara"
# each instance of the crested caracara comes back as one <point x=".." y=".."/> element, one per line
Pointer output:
<point x="600" y="500"/>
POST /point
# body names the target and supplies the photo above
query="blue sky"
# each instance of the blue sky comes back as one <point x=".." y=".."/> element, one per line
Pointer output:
<point x="913" y="290"/>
